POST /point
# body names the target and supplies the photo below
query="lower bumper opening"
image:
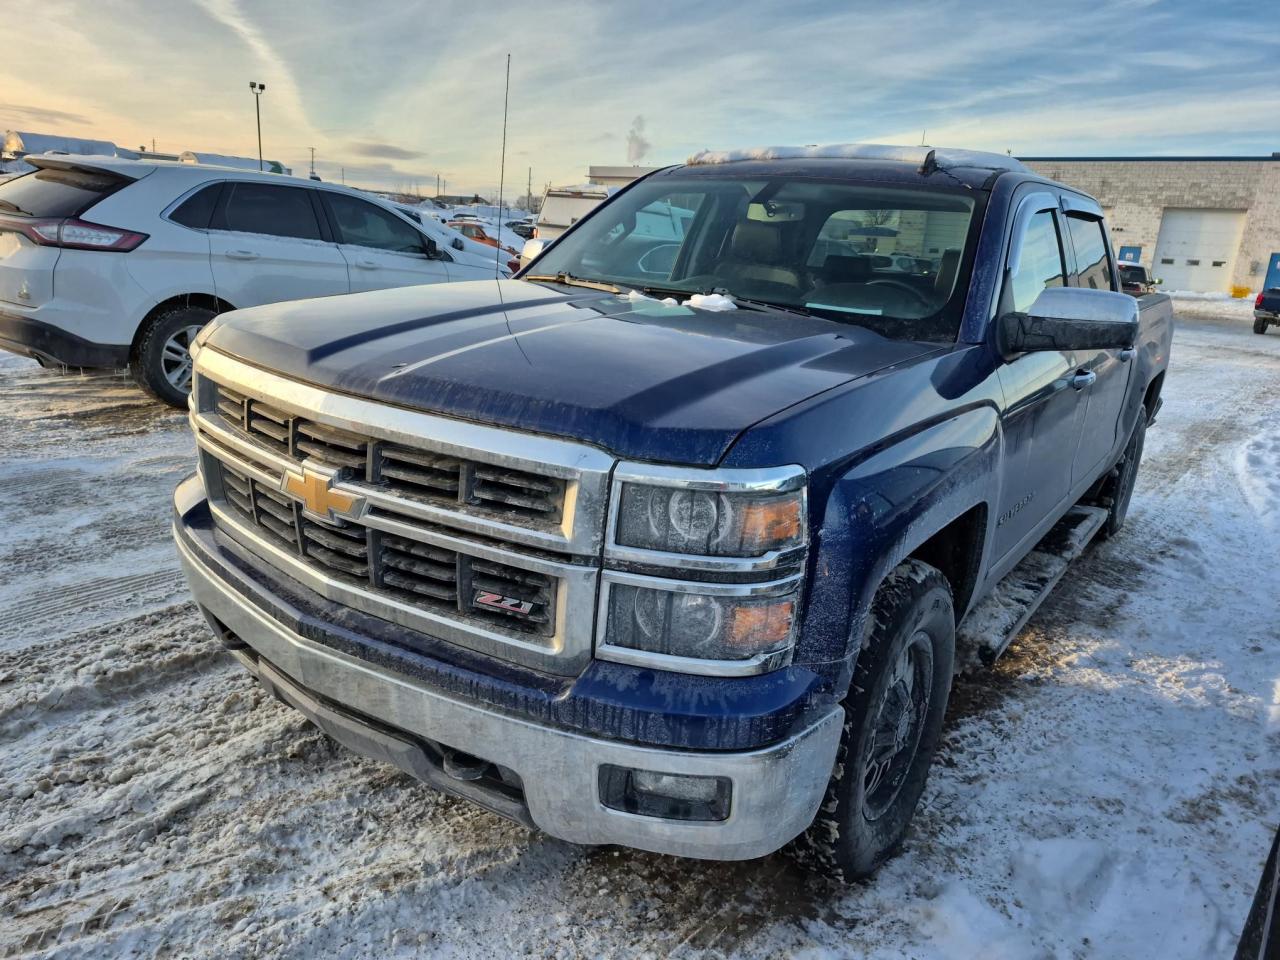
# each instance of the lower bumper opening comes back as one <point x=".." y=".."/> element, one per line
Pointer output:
<point x="483" y="782"/>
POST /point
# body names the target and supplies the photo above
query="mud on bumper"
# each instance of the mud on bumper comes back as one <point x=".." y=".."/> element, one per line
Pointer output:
<point x="537" y="775"/>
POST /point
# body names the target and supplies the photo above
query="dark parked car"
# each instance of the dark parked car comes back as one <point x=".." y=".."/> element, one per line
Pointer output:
<point x="673" y="541"/>
<point x="1266" y="310"/>
<point x="1136" y="279"/>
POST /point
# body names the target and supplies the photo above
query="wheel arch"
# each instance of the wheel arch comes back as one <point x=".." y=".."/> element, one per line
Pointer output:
<point x="929" y="497"/>
<point x="207" y="300"/>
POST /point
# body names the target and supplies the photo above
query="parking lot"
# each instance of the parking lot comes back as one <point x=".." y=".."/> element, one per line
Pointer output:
<point x="1108" y="790"/>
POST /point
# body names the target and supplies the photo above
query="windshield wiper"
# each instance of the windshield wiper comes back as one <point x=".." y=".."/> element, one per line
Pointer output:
<point x="770" y="305"/>
<point x="569" y="280"/>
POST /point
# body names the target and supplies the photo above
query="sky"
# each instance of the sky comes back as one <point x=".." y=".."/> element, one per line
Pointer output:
<point x="395" y="94"/>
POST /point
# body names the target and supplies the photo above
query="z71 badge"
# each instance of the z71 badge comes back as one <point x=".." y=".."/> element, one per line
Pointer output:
<point x="486" y="598"/>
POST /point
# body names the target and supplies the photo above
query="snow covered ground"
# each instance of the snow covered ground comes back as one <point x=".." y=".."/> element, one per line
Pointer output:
<point x="1108" y="790"/>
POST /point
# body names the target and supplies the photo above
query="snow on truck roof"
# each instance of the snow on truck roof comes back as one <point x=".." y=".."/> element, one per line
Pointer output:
<point x="943" y="157"/>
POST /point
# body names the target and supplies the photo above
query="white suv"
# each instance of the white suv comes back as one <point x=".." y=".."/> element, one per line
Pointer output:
<point x="108" y="262"/>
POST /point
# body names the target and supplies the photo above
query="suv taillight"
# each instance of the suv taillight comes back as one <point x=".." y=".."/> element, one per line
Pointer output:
<point x="1257" y="303"/>
<point x="73" y="234"/>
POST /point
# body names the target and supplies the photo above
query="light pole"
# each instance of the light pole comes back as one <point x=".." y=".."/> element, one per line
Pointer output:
<point x="258" y="89"/>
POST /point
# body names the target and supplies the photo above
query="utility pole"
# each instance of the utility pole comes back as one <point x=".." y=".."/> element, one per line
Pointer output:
<point x="437" y="184"/>
<point x="258" y="90"/>
<point x="153" y="144"/>
<point x="528" y="194"/>
<point x="313" y="160"/>
<point x="343" y="172"/>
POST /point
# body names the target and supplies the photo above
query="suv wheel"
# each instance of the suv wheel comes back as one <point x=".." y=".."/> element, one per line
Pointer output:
<point x="1259" y="325"/>
<point x="893" y="719"/>
<point x="161" y="364"/>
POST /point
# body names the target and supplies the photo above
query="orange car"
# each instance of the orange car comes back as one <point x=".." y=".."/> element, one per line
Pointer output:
<point x="473" y="231"/>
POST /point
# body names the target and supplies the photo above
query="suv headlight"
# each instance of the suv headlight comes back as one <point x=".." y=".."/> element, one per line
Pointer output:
<point x="703" y="568"/>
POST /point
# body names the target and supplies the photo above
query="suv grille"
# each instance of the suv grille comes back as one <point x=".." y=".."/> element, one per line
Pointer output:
<point x="409" y="570"/>
<point x="512" y="495"/>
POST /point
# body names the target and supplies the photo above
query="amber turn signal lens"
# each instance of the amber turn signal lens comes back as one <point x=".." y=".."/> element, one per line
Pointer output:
<point x="770" y="523"/>
<point x="762" y="625"/>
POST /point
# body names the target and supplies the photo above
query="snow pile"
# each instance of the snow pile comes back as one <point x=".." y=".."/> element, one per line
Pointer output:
<point x="715" y="302"/>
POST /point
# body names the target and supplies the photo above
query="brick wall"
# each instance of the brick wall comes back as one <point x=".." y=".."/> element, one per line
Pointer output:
<point x="1136" y="193"/>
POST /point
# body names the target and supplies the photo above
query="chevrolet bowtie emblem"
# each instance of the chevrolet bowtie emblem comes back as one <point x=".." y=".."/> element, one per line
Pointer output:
<point x="315" y="489"/>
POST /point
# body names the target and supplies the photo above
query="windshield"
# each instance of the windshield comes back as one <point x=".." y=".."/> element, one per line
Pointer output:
<point x="881" y="256"/>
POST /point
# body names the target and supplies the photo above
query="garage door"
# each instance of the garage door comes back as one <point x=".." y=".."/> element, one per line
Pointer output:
<point x="1197" y="249"/>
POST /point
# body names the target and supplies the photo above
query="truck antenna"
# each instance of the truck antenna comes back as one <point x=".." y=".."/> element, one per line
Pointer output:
<point x="502" y="172"/>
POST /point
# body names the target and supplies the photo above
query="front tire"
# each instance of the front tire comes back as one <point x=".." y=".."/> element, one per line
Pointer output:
<point x="893" y="720"/>
<point x="161" y="363"/>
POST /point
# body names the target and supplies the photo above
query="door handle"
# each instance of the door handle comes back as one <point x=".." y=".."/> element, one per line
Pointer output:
<point x="1127" y="354"/>
<point x="242" y="255"/>
<point x="367" y="263"/>
<point x="1083" y="378"/>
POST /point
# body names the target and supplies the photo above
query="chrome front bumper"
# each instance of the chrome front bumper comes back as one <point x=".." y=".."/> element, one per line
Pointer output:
<point x="775" y="790"/>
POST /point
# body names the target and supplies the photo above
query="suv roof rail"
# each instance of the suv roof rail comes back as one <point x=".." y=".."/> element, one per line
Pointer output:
<point x="927" y="158"/>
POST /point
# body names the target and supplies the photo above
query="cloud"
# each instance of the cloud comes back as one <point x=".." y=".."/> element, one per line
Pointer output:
<point x="389" y="151"/>
<point x="26" y="115"/>
<point x="637" y="146"/>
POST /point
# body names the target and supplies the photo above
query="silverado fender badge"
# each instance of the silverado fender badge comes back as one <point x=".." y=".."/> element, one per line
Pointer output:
<point x="314" y="488"/>
<point x="487" y="598"/>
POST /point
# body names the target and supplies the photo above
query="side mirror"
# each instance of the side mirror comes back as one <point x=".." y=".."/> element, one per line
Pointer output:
<point x="1070" y="318"/>
<point x="458" y="244"/>
<point x="531" y="251"/>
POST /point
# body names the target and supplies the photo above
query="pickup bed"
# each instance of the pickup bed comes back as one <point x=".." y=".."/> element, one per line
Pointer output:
<point x="677" y="539"/>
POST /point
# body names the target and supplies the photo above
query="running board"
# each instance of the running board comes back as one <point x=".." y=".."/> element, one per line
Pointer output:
<point x="991" y="625"/>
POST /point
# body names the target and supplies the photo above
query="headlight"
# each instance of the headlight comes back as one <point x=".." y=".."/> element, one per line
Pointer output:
<point x="723" y="622"/>
<point x="703" y="568"/>
<point x="709" y="523"/>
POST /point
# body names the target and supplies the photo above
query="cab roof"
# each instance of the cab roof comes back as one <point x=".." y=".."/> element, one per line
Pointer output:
<point x="857" y="161"/>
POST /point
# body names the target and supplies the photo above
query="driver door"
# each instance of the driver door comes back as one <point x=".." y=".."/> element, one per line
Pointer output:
<point x="1044" y="403"/>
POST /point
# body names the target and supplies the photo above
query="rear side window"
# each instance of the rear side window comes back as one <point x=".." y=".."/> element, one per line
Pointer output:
<point x="366" y="225"/>
<point x="1093" y="263"/>
<point x="1041" y="262"/>
<point x="268" y="209"/>
<point x="57" y="193"/>
<point x="197" y="210"/>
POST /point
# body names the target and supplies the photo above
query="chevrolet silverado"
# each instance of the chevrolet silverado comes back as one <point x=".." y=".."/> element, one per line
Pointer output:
<point x="677" y="539"/>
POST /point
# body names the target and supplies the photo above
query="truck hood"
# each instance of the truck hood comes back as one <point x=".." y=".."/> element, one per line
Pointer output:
<point x="643" y="380"/>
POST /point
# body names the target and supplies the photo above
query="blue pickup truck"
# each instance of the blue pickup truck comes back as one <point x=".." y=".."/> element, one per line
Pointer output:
<point x="677" y="539"/>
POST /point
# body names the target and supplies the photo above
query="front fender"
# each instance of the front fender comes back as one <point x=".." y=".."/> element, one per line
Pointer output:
<point x="878" y="512"/>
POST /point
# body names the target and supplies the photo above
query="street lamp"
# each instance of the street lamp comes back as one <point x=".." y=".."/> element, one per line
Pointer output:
<point x="258" y="89"/>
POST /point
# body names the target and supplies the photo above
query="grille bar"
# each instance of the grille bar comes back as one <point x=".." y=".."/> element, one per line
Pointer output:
<point x="418" y="474"/>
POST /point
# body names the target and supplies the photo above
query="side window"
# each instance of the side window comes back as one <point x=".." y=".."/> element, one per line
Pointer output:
<point x="1041" y="262"/>
<point x="266" y="208"/>
<point x="197" y="210"/>
<point x="366" y="225"/>
<point x="1093" y="263"/>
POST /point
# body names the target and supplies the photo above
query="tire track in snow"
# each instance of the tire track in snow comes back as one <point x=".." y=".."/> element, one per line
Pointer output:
<point x="59" y="601"/>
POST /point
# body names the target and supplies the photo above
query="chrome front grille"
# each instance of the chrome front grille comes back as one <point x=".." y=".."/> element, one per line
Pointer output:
<point x="519" y="496"/>
<point x="478" y="536"/>
<point x="417" y="572"/>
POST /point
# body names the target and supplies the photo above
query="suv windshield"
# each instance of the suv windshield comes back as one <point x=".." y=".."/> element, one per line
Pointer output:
<point x="890" y="258"/>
